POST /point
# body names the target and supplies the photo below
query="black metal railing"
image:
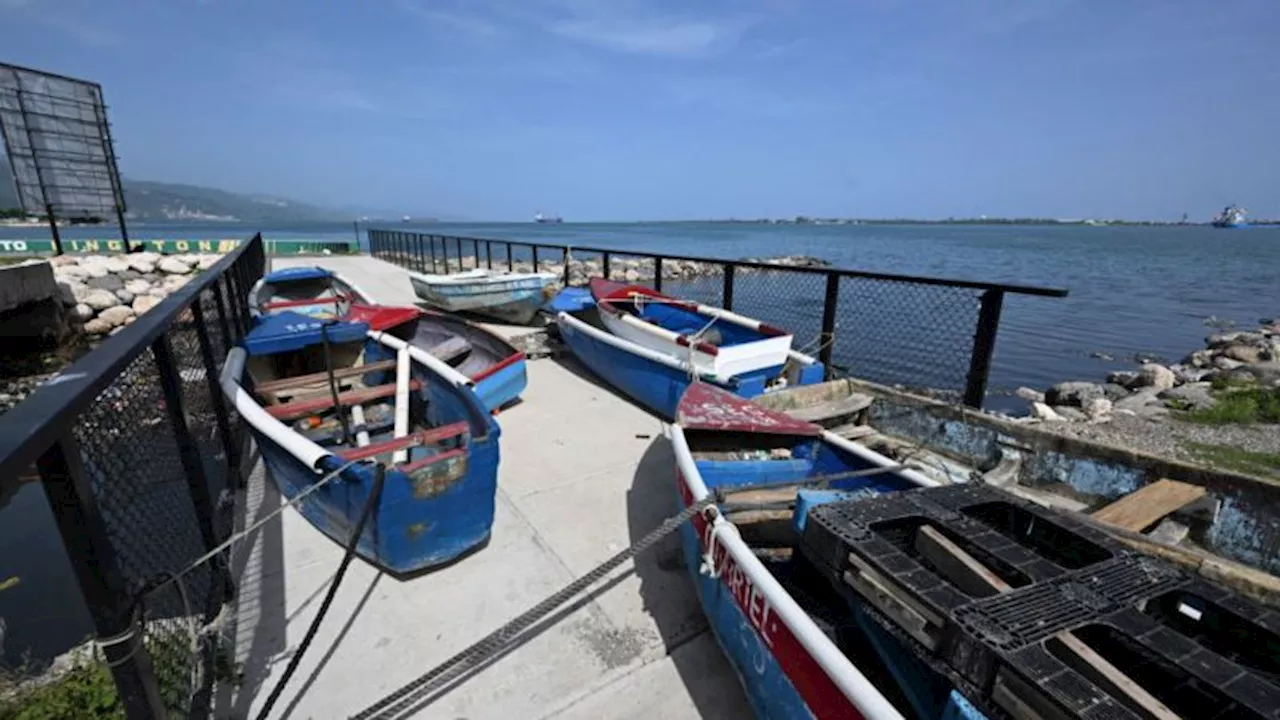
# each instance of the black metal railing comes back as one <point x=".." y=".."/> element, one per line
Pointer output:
<point x="139" y="456"/>
<point x="918" y="332"/>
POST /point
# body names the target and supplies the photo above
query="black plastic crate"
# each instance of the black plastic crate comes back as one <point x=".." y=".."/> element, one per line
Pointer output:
<point x="1021" y="542"/>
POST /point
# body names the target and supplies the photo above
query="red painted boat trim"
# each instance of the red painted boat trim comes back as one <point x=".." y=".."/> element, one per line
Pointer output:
<point x="351" y="397"/>
<point x="707" y="407"/>
<point x="815" y="687"/>
<point x="422" y="437"/>
<point x="702" y="347"/>
<point x="381" y="317"/>
<point x="505" y="362"/>
<point x="448" y="455"/>
<point x="766" y="329"/>
<point x="335" y="299"/>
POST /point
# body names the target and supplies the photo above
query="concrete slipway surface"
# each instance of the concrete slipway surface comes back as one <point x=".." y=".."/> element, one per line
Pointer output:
<point x="583" y="474"/>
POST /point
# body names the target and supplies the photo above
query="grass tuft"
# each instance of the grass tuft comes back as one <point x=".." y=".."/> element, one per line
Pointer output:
<point x="1230" y="458"/>
<point x="1241" y="407"/>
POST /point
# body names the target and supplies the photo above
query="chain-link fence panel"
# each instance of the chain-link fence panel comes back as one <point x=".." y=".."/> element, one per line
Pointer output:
<point x="918" y="336"/>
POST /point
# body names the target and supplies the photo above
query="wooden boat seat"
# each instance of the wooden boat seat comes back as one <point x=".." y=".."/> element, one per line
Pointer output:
<point x="312" y="405"/>
<point x="422" y="437"/>
<point x="322" y="378"/>
<point x="378" y="418"/>
<point x="301" y="302"/>
<point x="451" y="349"/>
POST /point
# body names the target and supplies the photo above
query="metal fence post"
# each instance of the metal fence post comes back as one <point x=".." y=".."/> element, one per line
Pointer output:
<point x="604" y="265"/>
<point x="93" y="558"/>
<point x="477" y="252"/>
<point x="188" y="450"/>
<point x="657" y="274"/>
<point x="827" y="338"/>
<point x="431" y="243"/>
<point x="227" y="338"/>
<point x="535" y="257"/>
<point x="212" y="374"/>
<point x="566" y="259"/>
<point x="444" y="250"/>
<point x="511" y="265"/>
<point x="984" y="347"/>
<point x="728" y="286"/>
<point x="458" y="244"/>
<point x="488" y="253"/>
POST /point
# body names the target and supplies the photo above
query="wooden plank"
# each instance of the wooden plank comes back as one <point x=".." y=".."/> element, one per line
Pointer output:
<point x="1149" y="504"/>
<point x="958" y="566"/>
<point x="851" y="431"/>
<point x="299" y="408"/>
<point x="839" y="407"/>
<point x="973" y="577"/>
<point x="451" y="349"/>
<point x="272" y="386"/>
<point x="1111" y="679"/>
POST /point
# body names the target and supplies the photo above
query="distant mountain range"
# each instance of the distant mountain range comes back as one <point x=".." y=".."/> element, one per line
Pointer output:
<point x="159" y="202"/>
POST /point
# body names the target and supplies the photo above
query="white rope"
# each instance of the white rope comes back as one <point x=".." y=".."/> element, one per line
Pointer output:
<point x="248" y="530"/>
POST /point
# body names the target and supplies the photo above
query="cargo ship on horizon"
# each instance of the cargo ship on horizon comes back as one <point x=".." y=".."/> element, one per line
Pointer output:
<point x="542" y="219"/>
<point x="1232" y="216"/>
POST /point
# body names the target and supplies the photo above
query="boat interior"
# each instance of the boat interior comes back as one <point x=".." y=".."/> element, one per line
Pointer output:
<point x="469" y="349"/>
<point x="684" y="319"/>
<point x="767" y="484"/>
<point x="326" y="297"/>
<point x="343" y="398"/>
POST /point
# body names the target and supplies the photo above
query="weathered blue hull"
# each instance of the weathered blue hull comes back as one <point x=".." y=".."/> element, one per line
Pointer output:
<point x="655" y="386"/>
<point x="516" y="302"/>
<point x="424" y="518"/>
<point x="503" y="385"/>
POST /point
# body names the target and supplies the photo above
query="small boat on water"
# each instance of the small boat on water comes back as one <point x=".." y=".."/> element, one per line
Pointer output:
<point x="1232" y="216"/>
<point x="495" y="366"/>
<point x="766" y="470"/>
<point x="319" y="395"/>
<point x="653" y="346"/>
<point x="312" y="291"/>
<point x="512" y="298"/>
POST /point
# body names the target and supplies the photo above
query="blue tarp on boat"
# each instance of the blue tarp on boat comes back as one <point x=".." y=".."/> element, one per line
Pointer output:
<point x="290" y="330"/>
<point x="570" y="300"/>
<point x="294" y="274"/>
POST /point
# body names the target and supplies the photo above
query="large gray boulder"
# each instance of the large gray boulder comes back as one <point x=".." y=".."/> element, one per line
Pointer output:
<point x="173" y="266"/>
<point x="1122" y="377"/>
<point x="143" y="303"/>
<point x="106" y="282"/>
<point x="1156" y="377"/>
<point x="1074" y="393"/>
<point x="100" y="299"/>
<point x="116" y="315"/>
<point x="1192" y="396"/>
<point x="1138" y="400"/>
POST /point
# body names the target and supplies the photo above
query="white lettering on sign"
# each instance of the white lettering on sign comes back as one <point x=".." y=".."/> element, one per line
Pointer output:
<point x="13" y="245"/>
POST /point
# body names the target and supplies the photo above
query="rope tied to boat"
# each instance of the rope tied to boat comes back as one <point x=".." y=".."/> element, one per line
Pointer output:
<point x="403" y="702"/>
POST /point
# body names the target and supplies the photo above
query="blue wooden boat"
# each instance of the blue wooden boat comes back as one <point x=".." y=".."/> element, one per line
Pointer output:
<point x="495" y="366"/>
<point x="781" y="626"/>
<point x="652" y="346"/>
<point x="314" y="291"/>
<point x="512" y="298"/>
<point x="395" y="404"/>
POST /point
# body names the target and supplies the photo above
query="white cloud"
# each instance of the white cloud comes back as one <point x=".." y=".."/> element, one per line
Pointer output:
<point x="466" y="22"/>
<point x="649" y="36"/>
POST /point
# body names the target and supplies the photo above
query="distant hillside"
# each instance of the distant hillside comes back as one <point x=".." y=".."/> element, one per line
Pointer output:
<point x="156" y="201"/>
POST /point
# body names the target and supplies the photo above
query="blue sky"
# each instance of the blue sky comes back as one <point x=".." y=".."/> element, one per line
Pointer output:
<point x="626" y="109"/>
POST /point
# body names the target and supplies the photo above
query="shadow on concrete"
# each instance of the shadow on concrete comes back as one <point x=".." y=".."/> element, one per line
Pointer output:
<point x="257" y="630"/>
<point x="333" y="646"/>
<point x="416" y="696"/>
<point x="666" y="589"/>
<point x="570" y="363"/>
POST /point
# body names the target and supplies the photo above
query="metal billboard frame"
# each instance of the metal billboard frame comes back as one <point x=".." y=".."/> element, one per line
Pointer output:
<point x="59" y="146"/>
